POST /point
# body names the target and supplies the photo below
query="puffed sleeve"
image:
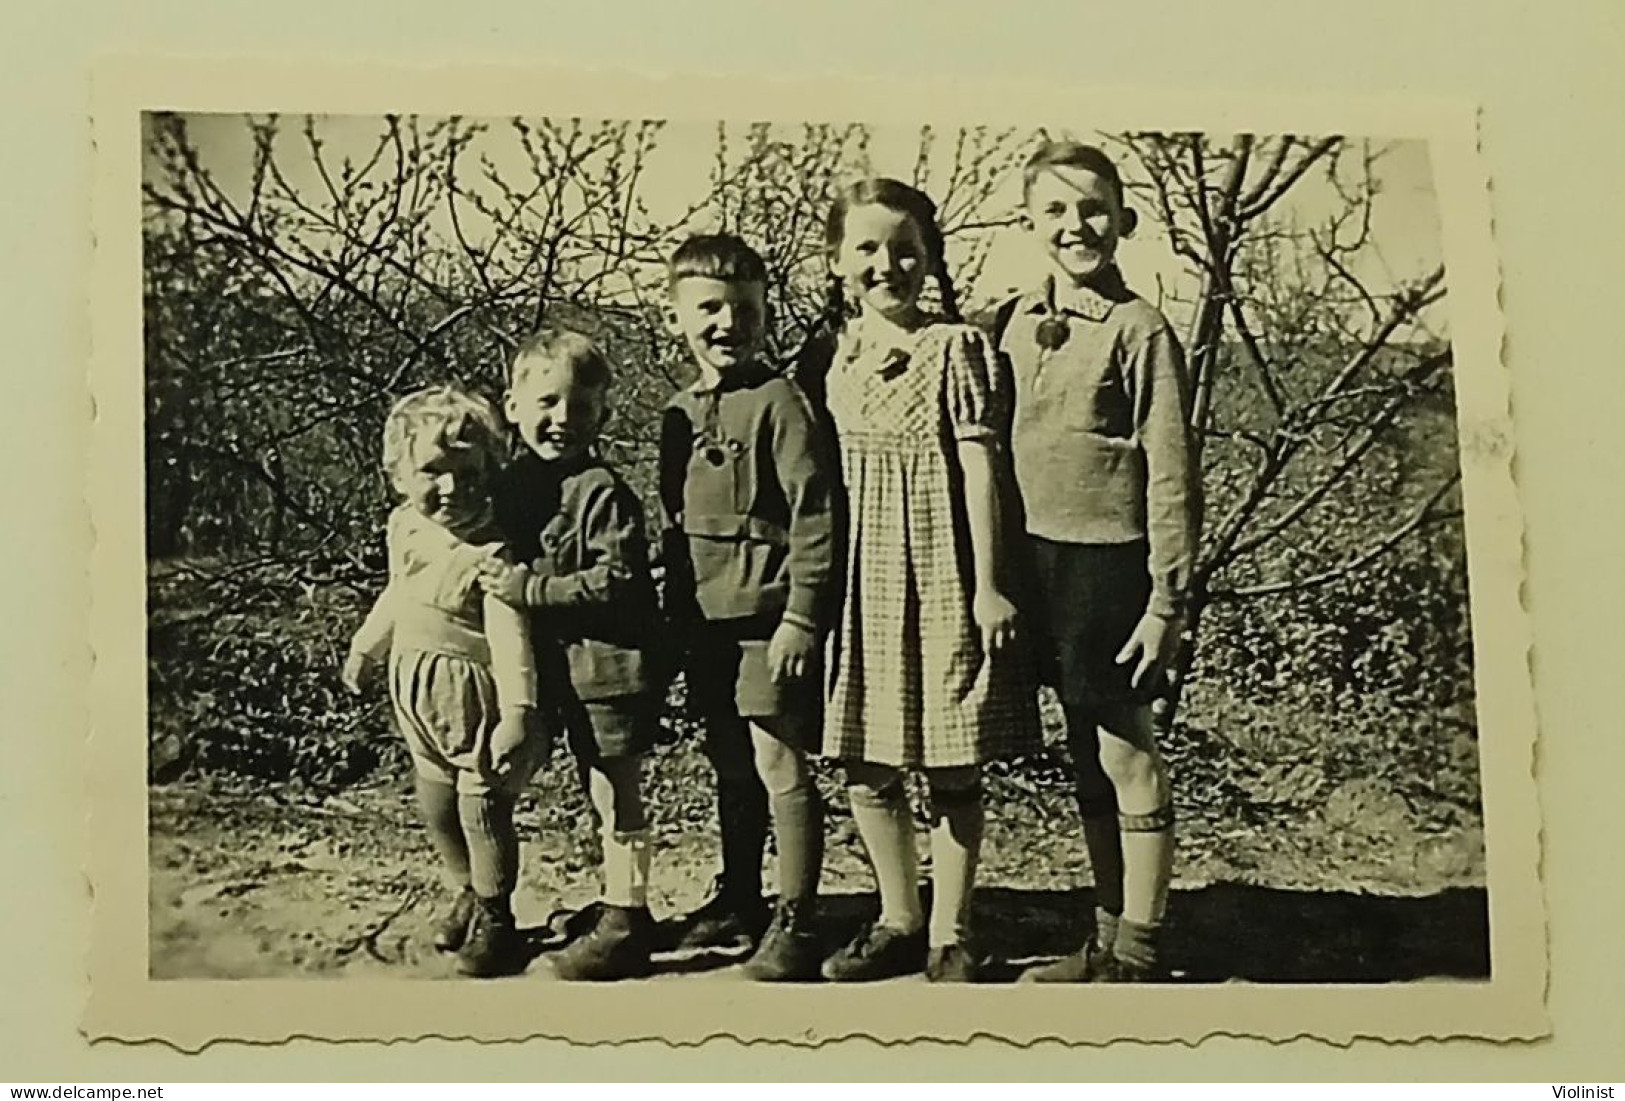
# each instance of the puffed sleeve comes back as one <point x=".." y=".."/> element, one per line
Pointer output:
<point x="977" y="401"/>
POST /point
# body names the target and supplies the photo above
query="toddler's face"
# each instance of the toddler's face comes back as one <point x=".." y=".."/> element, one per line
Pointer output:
<point x="556" y="415"/>
<point x="723" y="321"/>
<point x="1078" y="217"/>
<point x="451" y="486"/>
<point x="882" y="260"/>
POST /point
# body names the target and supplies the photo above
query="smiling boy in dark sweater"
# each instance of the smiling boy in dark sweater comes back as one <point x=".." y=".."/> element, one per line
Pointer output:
<point x="747" y="481"/>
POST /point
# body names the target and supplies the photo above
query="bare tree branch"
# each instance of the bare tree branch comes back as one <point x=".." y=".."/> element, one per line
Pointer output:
<point x="1422" y="515"/>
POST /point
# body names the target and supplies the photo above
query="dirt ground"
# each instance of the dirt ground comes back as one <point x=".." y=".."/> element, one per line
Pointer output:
<point x="257" y="880"/>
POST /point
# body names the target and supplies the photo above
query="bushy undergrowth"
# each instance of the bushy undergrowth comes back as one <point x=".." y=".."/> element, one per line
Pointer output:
<point x="243" y="676"/>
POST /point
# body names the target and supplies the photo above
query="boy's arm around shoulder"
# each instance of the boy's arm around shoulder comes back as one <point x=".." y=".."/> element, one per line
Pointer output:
<point x="611" y="524"/>
<point x="805" y="463"/>
<point x="1173" y="506"/>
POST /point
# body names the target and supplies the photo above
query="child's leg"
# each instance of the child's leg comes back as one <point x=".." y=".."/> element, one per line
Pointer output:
<point x="493" y="844"/>
<point x="880" y="809"/>
<point x="615" y="786"/>
<point x="716" y="658"/>
<point x="956" y="843"/>
<point x="493" y="946"/>
<point x="1097" y="806"/>
<point x="1128" y="753"/>
<point x="437" y="802"/>
<point x="797" y="810"/>
<point x="742" y="806"/>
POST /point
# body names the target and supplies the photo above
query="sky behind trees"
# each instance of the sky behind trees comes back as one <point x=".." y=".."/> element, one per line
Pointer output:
<point x="680" y="169"/>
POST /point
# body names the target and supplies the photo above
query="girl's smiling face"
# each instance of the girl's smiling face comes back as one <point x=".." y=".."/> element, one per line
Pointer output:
<point x="1079" y="217"/>
<point x="882" y="260"/>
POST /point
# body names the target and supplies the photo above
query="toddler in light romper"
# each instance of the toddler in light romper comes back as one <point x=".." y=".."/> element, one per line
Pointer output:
<point x="461" y="677"/>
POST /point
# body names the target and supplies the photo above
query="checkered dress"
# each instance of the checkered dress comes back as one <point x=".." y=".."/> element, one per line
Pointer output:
<point x="909" y="685"/>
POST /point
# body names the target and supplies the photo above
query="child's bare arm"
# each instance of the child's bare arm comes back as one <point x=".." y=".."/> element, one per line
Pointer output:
<point x="513" y="667"/>
<point x="977" y="404"/>
<point x="994" y="613"/>
<point x="370" y="645"/>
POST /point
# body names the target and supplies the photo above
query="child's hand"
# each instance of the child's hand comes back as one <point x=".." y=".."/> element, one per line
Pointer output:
<point x="358" y="670"/>
<point x="790" y="651"/>
<point x="1150" y="648"/>
<point x="519" y="733"/>
<point x="995" y="615"/>
<point x="507" y="583"/>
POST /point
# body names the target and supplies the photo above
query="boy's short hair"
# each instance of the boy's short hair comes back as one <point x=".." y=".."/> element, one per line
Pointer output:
<point x="550" y="348"/>
<point x="451" y="418"/>
<point x="1071" y="154"/>
<point x="721" y="256"/>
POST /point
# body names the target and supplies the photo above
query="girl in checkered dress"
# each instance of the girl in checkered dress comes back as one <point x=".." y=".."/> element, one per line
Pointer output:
<point x="923" y="670"/>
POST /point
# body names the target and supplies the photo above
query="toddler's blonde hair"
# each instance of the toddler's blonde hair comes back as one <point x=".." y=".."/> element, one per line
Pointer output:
<point x="449" y="417"/>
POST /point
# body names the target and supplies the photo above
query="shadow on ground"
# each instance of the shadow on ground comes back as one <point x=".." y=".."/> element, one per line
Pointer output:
<point x="1221" y="933"/>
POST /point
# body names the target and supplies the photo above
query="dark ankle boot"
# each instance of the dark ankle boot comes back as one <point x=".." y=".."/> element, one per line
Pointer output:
<point x="789" y="950"/>
<point x="953" y="963"/>
<point x="617" y="947"/>
<point x="451" y="928"/>
<point x="493" y="946"/>
<point x="1080" y="966"/>
<point x="878" y="952"/>
<point x="730" y="918"/>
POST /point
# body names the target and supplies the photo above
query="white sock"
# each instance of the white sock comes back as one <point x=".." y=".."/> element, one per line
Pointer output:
<point x="626" y="868"/>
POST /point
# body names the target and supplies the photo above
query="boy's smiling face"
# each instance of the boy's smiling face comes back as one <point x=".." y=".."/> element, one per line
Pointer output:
<point x="556" y="414"/>
<point x="1078" y="217"/>
<point x="723" y="321"/>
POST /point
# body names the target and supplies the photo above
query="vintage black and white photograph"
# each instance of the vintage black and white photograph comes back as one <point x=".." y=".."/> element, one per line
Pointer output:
<point x="654" y="553"/>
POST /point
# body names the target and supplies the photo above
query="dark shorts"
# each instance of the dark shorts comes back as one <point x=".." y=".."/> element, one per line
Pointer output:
<point x="728" y="679"/>
<point x="622" y="726"/>
<point x="1083" y="603"/>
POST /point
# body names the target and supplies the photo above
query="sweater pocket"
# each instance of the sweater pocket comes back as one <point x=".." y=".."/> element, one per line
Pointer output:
<point x="717" y="484"/>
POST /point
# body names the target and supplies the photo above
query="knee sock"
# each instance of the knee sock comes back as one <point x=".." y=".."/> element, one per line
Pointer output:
<point x="887" y="829"/>
<point x="1104" y="840"/>
<point x="1148" y="854"/>
<point x="798" y="829"/>
<point x="742" y="816"/>
<point x="626" y="868"/>
<point x="956" y="843"/>
<point x="437" y="803"/>
<point x="493" y="844"/>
